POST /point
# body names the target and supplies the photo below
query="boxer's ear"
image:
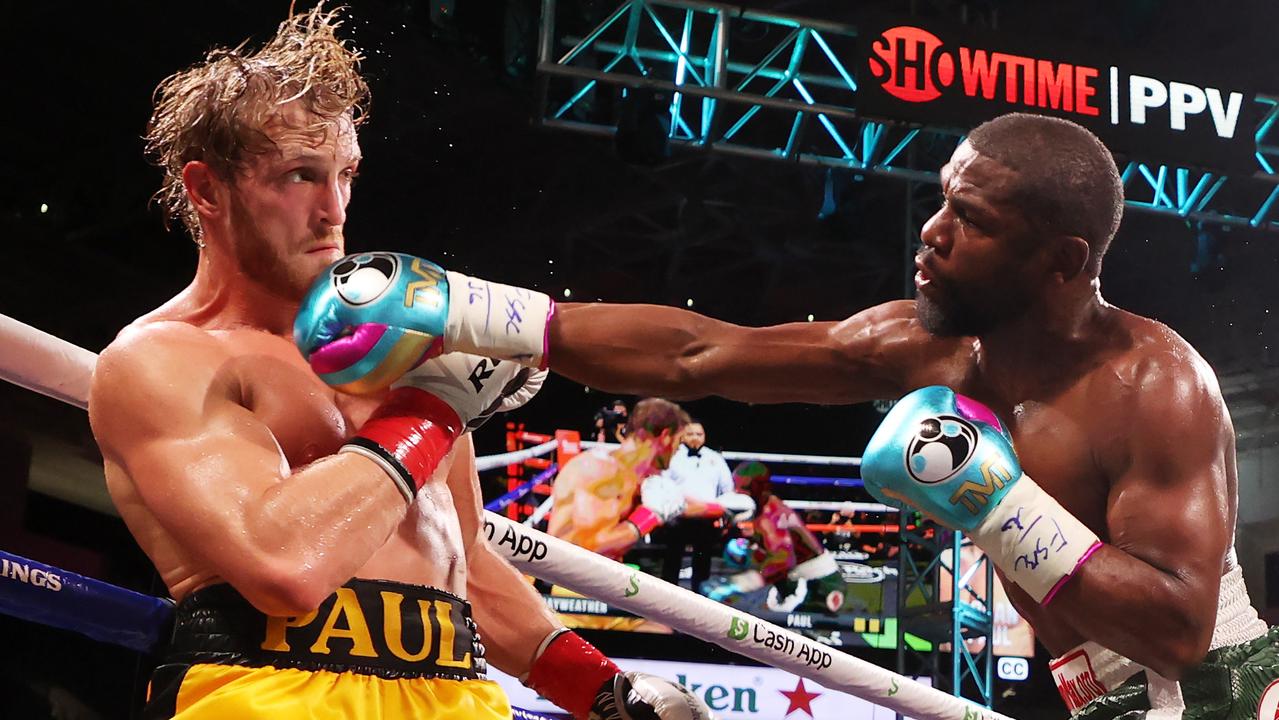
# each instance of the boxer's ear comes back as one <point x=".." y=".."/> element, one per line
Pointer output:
<point x="205" y="190"/>
<point x="1069" y="258"/>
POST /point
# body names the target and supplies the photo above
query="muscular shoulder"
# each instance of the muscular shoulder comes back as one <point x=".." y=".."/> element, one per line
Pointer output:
<point x="154" y="353"/>
<point x="890" y="340"/>
<point x="1159" y="368"/>
<point x="588" y="466"/>
<point x="599" y="474"/>
<point x="1157" y="389"/>
<point x="147" y="372"/>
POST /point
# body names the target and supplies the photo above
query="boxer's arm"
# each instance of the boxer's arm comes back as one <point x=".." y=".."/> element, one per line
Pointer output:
<point x="166" y="410"/>
<point x="512" y="618"/>
<point x="801" y="536"/>
<point x="778" y="556"/>
<point x="1150" y="593"/>
<point x="522" y="638"/>
<point x="694" y="508"/>
<point x="654" y="350"/>
<point x="617" y="540"/>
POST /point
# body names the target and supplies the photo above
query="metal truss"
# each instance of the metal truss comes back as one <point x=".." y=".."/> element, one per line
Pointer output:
<point x="942" y="601"/>
<point x="772" y="86"/>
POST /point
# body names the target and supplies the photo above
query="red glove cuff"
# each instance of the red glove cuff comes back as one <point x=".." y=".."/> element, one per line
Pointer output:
<point x="644" y="520"/>
<point x="410" y="432"/>
<point x="570" y="673"/>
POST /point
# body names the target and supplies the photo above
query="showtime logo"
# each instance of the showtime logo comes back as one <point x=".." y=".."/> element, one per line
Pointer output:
<point x="913" y="65"/>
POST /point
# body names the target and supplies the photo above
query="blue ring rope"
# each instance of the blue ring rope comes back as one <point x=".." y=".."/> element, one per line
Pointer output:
<point x="499" y="504"/>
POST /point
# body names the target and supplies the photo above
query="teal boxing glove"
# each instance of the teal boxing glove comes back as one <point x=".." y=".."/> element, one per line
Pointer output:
<point x="371" y="317"/>
<point x="730" y="590"/>
<point x="951" y="458"/>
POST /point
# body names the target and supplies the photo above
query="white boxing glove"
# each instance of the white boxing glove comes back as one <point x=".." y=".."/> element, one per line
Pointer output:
<point x="640" y="696"/>
<point x="661" y="499"/>
<point x="475" y="387"/>
<point x="495" y="319"/>
<point x="531" y="387"/>
<point x="428" y="409"/>
<point x="740" y="507"/>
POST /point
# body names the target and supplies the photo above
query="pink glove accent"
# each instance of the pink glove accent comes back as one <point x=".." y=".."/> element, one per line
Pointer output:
<point x="644" y="520"/>
<point x="1062" y="582"/>
<point x="974" y="410"/>
<point x="347" y="350"/>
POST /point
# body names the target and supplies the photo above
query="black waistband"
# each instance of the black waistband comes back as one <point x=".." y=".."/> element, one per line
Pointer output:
<point x="373" y="627"/>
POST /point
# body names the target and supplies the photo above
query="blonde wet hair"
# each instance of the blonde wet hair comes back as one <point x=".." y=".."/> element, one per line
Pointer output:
<point x="216" y="111"/>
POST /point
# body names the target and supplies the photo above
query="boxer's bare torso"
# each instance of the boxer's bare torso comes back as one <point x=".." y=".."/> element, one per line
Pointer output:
<point x="593" y="494"/>
<point x="1079" y="425"/>
<point x="256" y="386"/>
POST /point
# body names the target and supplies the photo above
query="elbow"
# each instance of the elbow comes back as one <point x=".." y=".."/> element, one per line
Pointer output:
<point x="1182" y="651"/>
<point x="1176" y="665"/>
<point x="285" y="592"/>
<point x="1183" y="659"/>
<point x="685" y="378"/>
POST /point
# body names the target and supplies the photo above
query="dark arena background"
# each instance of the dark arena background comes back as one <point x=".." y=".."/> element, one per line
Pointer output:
<point x="590" y="179"/>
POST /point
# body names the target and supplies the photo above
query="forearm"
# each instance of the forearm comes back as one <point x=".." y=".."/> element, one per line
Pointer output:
<point x="513" y="619"/>
<point x="309" y="533"/>
<point x="1137" y="610"/>
<point x="657" y="350"/>
<point x="633" y="349"/>
<point x="616" y="541"/>
<point x="694" y="508"/>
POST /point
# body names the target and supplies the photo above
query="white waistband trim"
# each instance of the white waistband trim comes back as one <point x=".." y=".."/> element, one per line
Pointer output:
<point x="1089" y="670"/>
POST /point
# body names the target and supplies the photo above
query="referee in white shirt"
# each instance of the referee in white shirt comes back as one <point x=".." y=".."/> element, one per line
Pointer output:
<point x="701" y="474"/>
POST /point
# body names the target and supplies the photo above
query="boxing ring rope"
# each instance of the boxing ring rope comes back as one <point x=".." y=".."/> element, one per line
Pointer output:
<point x="499" y="504"/>
<point x="48" y="365"/>
<point x="492" y="462"/>
<point x="518" y="493"/>
<point x="833" y="460"/>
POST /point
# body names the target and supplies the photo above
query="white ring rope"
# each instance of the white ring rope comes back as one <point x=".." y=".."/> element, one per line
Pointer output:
<point x="43" y="363"/>
<point x="762" y="457"/>
<point x="847" y="506"/>
<point x="492" y="462"/>
<point x="540" y="511"/>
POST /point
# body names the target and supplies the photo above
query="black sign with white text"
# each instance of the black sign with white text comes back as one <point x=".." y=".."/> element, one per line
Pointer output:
<point x="921" y="71"/>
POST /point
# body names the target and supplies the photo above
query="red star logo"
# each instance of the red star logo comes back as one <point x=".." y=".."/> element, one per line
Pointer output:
<point x="800" y="699"/>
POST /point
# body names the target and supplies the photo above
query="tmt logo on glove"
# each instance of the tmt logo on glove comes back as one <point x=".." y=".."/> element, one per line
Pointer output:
<point x="941" y="447"/>
<point x="361" y="279"/>
<point x="942" y="453"/>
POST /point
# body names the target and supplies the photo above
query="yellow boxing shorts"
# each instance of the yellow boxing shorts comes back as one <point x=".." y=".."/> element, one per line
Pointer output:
<point x="373" y="649"/>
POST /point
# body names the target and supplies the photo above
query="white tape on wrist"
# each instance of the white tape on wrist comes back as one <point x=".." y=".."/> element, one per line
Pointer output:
<point x="496" y="320"/>
<point x="1034" y="540"/>
<point x="396" y="474"/>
